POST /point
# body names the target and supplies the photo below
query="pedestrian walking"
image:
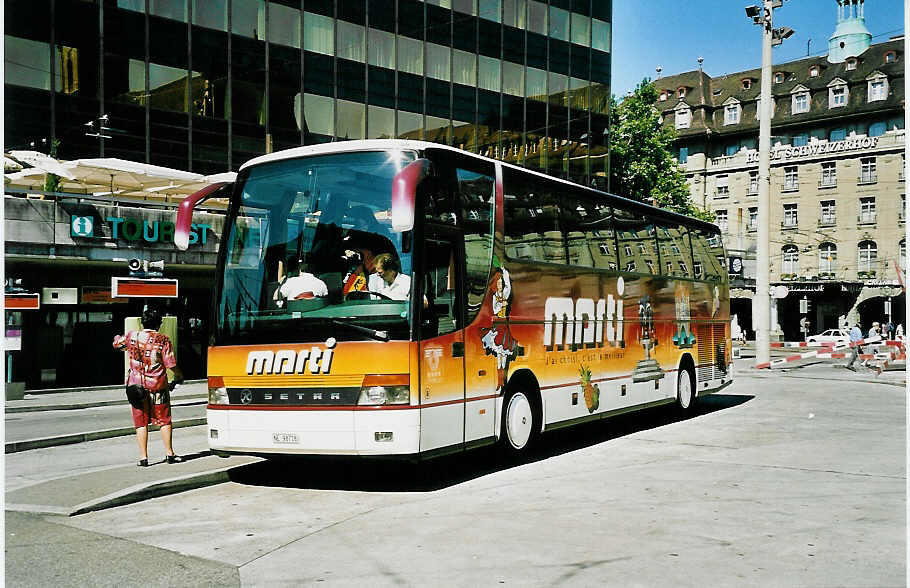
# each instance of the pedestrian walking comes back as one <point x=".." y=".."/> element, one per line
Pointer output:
<point x="856" y="335"/>
<point x="899" y="332"/>
<point x="150" y="356"/>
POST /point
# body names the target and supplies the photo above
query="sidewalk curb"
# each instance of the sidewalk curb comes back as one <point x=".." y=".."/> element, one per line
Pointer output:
<point x="28" y="444"/>
<point x="47" y="407"/>
<point x="141" y="492"/>
<point x="761" y="373"/>
<point x="43" y="391"/>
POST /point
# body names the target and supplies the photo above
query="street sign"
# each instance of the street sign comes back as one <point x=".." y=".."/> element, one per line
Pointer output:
<point x="82" y="226"/>
<point x="143" y="288"/>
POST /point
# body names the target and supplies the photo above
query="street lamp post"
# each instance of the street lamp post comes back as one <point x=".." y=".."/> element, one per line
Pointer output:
<point x="762" y="16"/>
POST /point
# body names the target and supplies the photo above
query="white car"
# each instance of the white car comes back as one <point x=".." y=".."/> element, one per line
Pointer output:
<point x="831" y="336"/>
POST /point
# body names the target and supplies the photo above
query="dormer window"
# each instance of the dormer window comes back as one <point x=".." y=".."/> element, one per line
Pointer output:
<point x="747" y="83"/>
<point x="731" y="113"/>
<point x="779" y="78"/>
<point x="814" y="71"/>
<point x="663" y="96"/>
<point x="683" y="117"/>
<point x="877" y="87"/>
<point x="681" y="93"/>
<point x="890" y="57"/>
<point x="799" y="100"/>
<point x="851" y="64"/>
<point x="837" y="94"/>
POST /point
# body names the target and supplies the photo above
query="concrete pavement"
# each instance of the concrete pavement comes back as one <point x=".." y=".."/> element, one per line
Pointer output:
<point x="98" y="471"/>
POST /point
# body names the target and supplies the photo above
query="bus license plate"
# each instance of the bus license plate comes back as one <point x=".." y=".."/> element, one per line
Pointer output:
<point x="285" y="438"/>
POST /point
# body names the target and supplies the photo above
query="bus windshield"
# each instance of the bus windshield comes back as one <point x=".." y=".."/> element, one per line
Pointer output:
<point x="310" y="253"/>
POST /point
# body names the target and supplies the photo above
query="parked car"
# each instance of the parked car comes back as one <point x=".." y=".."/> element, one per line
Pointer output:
<point x="831" y="336"/>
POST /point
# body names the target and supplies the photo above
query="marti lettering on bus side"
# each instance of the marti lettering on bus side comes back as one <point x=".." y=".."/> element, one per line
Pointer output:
<point x="583" y="321"/>
<point x="290" y="361"/>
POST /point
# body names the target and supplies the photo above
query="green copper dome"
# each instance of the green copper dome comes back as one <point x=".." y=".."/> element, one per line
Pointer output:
<point x="851" y="37"/>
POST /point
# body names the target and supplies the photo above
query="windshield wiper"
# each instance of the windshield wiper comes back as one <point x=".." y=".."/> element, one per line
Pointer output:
<point x="373" y="334"/>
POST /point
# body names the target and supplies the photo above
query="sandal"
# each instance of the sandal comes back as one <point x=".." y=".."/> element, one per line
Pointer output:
<point x="174" y="459"/>
<point x="143" y="463"/>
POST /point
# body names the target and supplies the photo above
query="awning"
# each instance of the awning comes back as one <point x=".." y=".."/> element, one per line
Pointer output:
<point x="109" y="176"/>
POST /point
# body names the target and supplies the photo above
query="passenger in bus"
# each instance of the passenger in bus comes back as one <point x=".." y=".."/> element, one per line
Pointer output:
<point x="303" y="286"/>
<point x="388" y="279"/>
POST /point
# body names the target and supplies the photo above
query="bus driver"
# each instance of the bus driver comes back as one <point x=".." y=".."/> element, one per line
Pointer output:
<point x="388" y="279"/>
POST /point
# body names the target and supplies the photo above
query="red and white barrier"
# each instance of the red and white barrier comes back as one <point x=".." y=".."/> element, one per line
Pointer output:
<point x="810" y="354"/>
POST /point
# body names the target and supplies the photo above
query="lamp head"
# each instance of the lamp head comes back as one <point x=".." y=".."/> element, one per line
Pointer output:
<point x="753" y="11"/>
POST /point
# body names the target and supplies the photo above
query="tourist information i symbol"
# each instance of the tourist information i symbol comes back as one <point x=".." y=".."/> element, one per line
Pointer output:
<point x="82" y="226"/>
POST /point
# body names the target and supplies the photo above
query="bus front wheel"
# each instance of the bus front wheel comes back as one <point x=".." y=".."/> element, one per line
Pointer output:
<point x="685" y="390"/>
<point x="519" y="422"/>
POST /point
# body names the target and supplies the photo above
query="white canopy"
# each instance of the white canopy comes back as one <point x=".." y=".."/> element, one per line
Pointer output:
<point x="109" y="176"/>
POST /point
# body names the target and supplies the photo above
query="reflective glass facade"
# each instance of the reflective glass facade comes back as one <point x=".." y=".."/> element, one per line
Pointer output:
<point x="205" y="85"/>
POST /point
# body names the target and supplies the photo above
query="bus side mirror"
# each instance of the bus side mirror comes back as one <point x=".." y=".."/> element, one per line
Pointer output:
<point x="404" y="194"/>
<point x="185" y="213"/>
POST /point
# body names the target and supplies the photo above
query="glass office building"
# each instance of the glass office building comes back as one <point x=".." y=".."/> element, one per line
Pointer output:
<point x="204" y="85"/>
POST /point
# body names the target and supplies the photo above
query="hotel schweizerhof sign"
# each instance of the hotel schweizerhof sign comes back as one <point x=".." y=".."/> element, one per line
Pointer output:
<point x="789" y="152"/>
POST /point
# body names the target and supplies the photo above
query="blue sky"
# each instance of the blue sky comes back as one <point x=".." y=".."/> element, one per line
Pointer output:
<point x="674" y="33"/>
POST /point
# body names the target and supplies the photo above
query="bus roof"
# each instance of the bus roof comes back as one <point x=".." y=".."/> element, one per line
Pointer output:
<point x="407" y="144"/>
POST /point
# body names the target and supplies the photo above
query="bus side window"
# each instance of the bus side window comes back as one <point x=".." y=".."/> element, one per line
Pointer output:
<point x="581" y="219"/>
<point x="675" y="252"/>
<point x="708" y="254"/>
<point x="532" y="214"/>
<point x="476" y="193"/>
<point x="636" y="244"/>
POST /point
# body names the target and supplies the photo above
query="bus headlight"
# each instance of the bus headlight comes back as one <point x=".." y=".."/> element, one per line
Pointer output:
<point x="217" y="391"/>
<point x="378" y="395"/>
<point x="379" y="389"/>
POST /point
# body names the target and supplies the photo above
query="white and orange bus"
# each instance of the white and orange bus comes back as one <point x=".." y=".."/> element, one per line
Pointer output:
<point x="510" y="303"/>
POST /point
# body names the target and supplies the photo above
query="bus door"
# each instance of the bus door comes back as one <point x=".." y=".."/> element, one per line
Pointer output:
<point x="442" y="344"/>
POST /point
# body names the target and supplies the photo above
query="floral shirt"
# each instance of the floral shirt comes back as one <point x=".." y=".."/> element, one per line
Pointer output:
<point x="150" y="354"/>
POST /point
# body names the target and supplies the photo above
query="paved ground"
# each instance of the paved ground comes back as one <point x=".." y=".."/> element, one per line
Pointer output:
<point x="788" y="478"/>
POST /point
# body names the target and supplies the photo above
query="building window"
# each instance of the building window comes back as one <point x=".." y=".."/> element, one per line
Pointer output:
<point x="791" y="218"/>
<point x="627" y="249"/>
<point x="319" y="34"/>
<point x="800" y="140"/>
<point x="800" y="102"/>
<point x="814" y="71"/>
<point x="663" y="96"/>
<point x="723" y="186"/>
<point x="829" y="175"/>
<point x="902" y="213"/>
<point x="791" y="178"/>
<point x="867" y="210"/>
<point x="890" y="57"/>
<point x="731" y="114"/>
<point x="903" y="253"/>
<point x="867" y="256"/>
<point x="790" y="260"/>
<point x="877" y="129"/>
<point x="731" y="149"/>
<point x="867" y="171"/>
<point x="753" y="219"/>
<point x="604" y="249"/>
<point x="827" y="258"/>
<point x="837" y="96"/>
<point x="827" y="212"/>
<point x="683" y="118"/>
<point x="747" y="83"/>
<point x="851" y="65"/>
<point x="837" y="134"/>
<point x="753" y="182"/>
<point x="683" y="154"/>
<point x="778" y="78"/>
<point x="720" y="219"/>
<point x="681" y="93"/>
<point x="878" y="89"/>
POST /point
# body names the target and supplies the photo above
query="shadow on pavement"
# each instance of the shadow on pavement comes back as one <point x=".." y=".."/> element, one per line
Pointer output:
<point x="384" y="475"/>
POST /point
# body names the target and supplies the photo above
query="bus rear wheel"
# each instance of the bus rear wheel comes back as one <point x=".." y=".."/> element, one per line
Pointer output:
<point x="519" y="422"/>
<point x="685" y="390"/>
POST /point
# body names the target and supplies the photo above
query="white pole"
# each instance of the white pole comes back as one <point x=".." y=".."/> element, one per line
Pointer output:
<point x="763" y="257"/>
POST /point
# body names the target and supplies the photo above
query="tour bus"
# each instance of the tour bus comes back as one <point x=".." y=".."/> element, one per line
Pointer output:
<point x="442" y="301"/>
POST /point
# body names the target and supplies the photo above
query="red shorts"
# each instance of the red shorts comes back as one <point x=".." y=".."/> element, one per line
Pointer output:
<point x="153" y="413"/>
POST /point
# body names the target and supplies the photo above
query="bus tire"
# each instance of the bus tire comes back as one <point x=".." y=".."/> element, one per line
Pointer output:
<point x="685" y="390"/>
<point x="520" y="422"/>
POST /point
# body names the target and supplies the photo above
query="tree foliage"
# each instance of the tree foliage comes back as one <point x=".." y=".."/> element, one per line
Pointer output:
<point x="642" y="166"/>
